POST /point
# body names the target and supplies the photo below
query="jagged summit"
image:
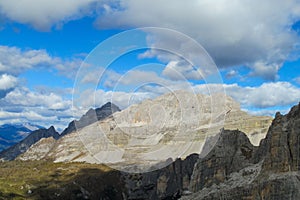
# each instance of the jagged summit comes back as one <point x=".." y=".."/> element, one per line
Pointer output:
<point x="242" y="171"/>
<point x="170" y="126"/>
<point x="91" y="116"/>
<point x="13" y="133"/>
<point x="14" y="151"/>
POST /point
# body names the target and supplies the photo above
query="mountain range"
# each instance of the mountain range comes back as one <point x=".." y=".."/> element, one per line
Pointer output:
<point x="168" y="127"/>
<point x="90" y="117"/>
<point x="11" y="134"/>
<point x="238" y="156"/>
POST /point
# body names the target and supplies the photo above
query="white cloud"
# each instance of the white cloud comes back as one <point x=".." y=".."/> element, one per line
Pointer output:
<point x="14" y="60"/>
<point x="93" y="76"/>
<point x="268" y="71"/>
<point x="30" y="115"/>
<point x="27" y="98"/>
<point x="139" y="77"/>
<point x="267" y="95"/>
<point x="97" y="98"/>
<point x="265" y="99"/>
<point x="232" y="73"/>
<point x="144" y="80"/>
<point x="68" y="68"/>
<point x="42" y="14"/>
<point x="176" y="70"/>
<point x="7" y="82"/>
<point x="22" y="105"/>
<point x="254" y="33"/>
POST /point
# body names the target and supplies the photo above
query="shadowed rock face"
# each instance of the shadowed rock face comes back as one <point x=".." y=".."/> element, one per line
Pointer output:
<point x="11" y="134"/>
<point x="233" y="169"/>
<point x="232" y="152"/>
<point x="270" y="171"/>
<point x="21" y="147"/>
<point x="44" y="146"/>
<point x="174" y="125"/>
<point x="283" y="142"/>
<point x="166" y="183"/>
<point x="91" y="116"/>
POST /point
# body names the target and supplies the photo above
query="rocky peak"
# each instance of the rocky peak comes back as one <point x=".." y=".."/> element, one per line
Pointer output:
<point x="282" y="142"/>
<point x="21" y="147"/>
<point x="237" y="170"/>
<point x="91" y="116"/>
<point x="232" y="152"/>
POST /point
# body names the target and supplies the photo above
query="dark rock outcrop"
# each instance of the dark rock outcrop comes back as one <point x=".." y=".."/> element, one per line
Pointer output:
<point x="232" y="169"/>
<point x="19" y="148"/>
<point x="167" y="183"/>
<point x="11" y="134"/>
<point x="270" y="171"/>
<point x="232" y="152"/>
<point x="283" y="142"/>
<point x="91" y="116"/>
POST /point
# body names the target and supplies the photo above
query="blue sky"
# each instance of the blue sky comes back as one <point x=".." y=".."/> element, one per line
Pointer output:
<point x="45" y="44"/>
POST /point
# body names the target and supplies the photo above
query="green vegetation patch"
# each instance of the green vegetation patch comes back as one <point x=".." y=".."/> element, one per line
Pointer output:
<point x="48" y="180"/>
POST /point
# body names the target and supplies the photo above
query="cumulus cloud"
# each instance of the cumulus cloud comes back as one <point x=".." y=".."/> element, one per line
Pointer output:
<point x="7" y="82"/>
<point x="268" y="71"/>
<point x="46" y="109"/>
<point x="252" y="33"/>
<point x="232" y="73"/>
<point x="43" y="14"/>
<point x="96" y="98"/>
<point x="139" y="79"/>
<point x="15" y="61"/>
<point x="22" y="105"/>
<point x="176" y="70"/>
<point x="267" y="95"/>
<point x="27" y="98"/>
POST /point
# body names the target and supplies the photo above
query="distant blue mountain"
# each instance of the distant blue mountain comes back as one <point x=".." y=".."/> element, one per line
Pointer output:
<point x="11" y="134"/>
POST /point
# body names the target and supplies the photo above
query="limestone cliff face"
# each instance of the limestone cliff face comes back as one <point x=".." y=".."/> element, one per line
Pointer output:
<point x="229" y="166"/>
<point x="270" y="171"/>
<point x="283" y="142"/>
<point x="232" y="152"/>
<point x="173" y="125"/>
<point x="255" y="127"/>
<point x="39" y="150"/>
<point x="234" y="168"/>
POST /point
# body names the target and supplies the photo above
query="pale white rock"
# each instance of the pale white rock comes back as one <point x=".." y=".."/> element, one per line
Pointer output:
<point x="171" y="126"/>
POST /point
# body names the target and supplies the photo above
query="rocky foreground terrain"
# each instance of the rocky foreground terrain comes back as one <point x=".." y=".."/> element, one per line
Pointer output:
<point x="229" y="166"/>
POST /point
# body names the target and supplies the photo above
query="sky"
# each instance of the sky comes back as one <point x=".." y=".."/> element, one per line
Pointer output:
<point x="59" y="58"/>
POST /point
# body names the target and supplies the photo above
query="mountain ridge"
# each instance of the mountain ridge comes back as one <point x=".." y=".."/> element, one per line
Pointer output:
<point x="148" y="131"/>
<point x="232" y="169"/>
<point x="91" y="116"/>
<point x="11" y="134"/>
<point x="32" y="138"/>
